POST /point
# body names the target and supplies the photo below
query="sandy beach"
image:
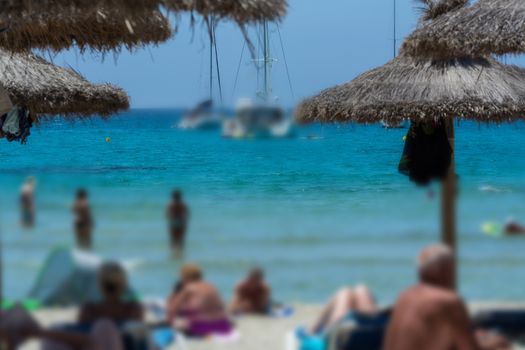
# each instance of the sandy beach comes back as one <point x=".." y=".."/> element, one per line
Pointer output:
<point x="255" y="333"/>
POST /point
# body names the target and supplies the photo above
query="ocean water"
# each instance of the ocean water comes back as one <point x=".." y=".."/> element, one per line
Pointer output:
<point x="316" y="212"/>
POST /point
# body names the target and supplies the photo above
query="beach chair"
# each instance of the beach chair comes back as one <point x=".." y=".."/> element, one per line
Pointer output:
<point x="359" y="332"/>
<point x="355" y="332"/>
<point x="510" y="323"/>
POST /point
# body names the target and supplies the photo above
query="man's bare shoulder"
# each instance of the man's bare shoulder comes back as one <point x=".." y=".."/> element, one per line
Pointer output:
<point x="429" y="295"/>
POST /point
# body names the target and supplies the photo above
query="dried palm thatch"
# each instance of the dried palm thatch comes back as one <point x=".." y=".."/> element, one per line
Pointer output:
<point x="241" y="11"/>
<point x="111" y="25"/>
<point x="46" y="89"/>
<point x="18" y="6"/>
<point x="101" y="31"/>
<point x="477" y="89"/>
<point x="484" y="28"/>
<point x="432" y="9"/>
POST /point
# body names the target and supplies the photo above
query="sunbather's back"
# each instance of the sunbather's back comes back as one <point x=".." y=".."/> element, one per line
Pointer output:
<point x="204" y="301"/>
<point x="427" y="317"/>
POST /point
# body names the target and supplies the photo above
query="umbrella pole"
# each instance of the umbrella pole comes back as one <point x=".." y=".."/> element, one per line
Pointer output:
<point x="448" y="201"/>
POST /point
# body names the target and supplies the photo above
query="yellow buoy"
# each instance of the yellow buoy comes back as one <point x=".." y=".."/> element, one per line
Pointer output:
<point x="108" y="139"/>
<point x="405" y="138"/>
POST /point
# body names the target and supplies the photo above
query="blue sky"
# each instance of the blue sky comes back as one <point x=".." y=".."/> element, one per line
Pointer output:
<point x="326" y="42"/>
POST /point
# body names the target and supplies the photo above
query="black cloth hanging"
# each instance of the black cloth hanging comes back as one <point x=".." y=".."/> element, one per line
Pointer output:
<point x="427" y="154"/>
<point x="16" y="125"/>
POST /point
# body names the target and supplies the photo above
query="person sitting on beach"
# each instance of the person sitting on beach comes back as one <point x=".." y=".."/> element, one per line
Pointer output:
<point x="345" y="302"/>
<point x="27" y="203"/>
<point x="431" y="315"/>
<point x="252" y="295"/>
<point x="197" y="309"/>
<point x="113" y="284"/>
<point x="177" y="213"/>
<point x="99" y="323"/>
<point x="84" y="222"/>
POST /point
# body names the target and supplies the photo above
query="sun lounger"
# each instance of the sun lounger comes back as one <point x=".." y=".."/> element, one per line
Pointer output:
<point x="508" y="322"/>
<point x="356" y="332"/>
<point x="360" y="332"/>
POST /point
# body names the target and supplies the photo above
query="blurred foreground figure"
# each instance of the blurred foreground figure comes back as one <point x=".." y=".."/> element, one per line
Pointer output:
<point x="431" y="315"/>
<point x="196" y="306"/>
<point x="177" y="213"/>
<point x="27" y="203"/>
<point x="83" y="221"/>
<point x="99" y="324"/>
<point x="252" y="295"/>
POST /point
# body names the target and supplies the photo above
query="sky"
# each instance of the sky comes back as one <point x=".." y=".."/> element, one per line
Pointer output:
<point x="326" y="42"/>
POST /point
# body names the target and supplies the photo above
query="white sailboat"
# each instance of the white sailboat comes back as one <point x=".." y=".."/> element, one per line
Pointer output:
<point x="262" y="117"/>
<point x="205" y="115"/>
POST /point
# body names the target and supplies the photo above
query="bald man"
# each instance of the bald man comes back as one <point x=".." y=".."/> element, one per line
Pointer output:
<point x="431" y="316"/>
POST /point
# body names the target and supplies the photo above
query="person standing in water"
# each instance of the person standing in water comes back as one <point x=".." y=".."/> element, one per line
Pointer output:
<point x="27" y="203"/>
<point x="177" y="213"/>
<point x="83" y="220"/>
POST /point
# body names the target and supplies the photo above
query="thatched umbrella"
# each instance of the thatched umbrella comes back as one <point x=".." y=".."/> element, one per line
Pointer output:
<point x="241" y="11"/>
<point x="110" y="25"/>
<point x="484" y="28"/>
<point x="102" y="30"/>
<point x="476" y="89"/>
<point x="46" y="89"/>
<point x="479" y="89"/>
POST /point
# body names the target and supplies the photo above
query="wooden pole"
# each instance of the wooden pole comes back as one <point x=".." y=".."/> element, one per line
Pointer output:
<point x="448" y="200"/>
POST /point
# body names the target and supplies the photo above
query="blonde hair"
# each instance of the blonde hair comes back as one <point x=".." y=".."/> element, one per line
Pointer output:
<point x="191" y="272"/>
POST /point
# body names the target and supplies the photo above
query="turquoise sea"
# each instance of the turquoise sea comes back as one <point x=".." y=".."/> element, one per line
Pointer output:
<point x="316" y="212"/>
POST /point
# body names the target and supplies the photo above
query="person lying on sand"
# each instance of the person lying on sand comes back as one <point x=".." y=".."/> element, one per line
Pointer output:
<point x="346" y="301"/>
<point x="98" y="323"/>
<point x="252" y="295"/>
<point x="431" y="316"/>
<point x="197" y="309"/>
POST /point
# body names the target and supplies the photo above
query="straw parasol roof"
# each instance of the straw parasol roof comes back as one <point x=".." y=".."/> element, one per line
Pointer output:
<point x="110" y="25"/>
<point x="484" y="28"/>
<point x="241" y="11"/>
<point x="102" y="30"/>
<point x="405" y="88"/>
<point x="46" y="89"/>
<point x="18" y="6"/>
<point x="432" y="9"/>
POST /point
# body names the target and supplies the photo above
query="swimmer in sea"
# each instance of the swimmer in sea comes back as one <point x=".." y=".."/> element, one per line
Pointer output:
<point x="83" y="222"/>
<point x="27" y="203"/>
<point x="513" y="228"/>
<point x="177" y="214"/>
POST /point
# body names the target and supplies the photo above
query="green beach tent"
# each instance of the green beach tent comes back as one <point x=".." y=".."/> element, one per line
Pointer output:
<point x="68" y="278"/>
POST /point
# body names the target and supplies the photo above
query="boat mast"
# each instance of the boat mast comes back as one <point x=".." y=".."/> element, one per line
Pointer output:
<point x="210" y="29"/>
<point x="267" y="63"/>
<point x="395" y="29"/>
